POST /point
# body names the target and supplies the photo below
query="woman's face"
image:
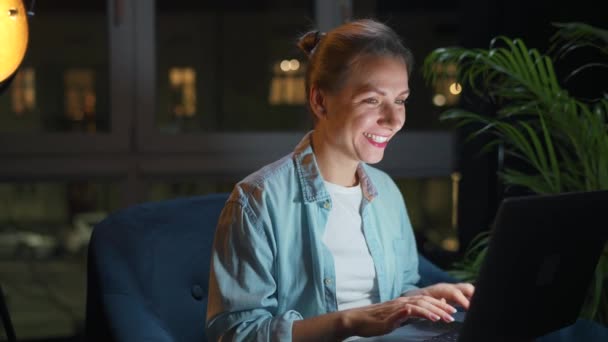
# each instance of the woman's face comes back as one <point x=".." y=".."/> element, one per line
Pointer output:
<point x="361" y="118"/>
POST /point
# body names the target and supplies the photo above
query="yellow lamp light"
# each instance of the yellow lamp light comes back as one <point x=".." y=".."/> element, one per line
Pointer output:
<point x="13" y="36"/>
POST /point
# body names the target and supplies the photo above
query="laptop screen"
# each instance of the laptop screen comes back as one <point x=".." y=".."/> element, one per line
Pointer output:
<point x="539" y="264"/>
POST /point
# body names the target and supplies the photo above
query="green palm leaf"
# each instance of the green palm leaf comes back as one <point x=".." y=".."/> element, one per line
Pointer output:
<point x="562" y="139"/>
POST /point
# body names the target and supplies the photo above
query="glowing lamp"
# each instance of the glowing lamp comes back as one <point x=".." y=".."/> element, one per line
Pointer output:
<point x="13" y="36"/>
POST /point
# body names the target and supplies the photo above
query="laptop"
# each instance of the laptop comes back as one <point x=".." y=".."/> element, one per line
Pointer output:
<point x="537" y="271"/>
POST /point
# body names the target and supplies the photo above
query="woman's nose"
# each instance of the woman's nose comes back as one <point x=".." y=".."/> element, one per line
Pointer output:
<point x="393" y="117"/>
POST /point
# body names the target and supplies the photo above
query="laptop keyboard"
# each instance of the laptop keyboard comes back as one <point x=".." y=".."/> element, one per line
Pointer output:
<point x="443" y="331"/>
<point x="450" y="336"/>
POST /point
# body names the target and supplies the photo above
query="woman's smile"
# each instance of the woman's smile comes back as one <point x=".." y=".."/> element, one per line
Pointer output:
<point x="377" y="140"/>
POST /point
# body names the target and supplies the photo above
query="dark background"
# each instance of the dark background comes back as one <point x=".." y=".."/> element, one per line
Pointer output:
<point x="478" y="22"/>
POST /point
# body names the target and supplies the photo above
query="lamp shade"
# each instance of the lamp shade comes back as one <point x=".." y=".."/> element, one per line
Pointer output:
<point x="13" y="36"/>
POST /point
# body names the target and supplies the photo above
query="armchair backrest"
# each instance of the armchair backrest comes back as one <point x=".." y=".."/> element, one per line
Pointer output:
<point x="148" y="271"/>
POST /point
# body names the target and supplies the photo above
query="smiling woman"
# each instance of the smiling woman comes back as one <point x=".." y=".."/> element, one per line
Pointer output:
<point x="355" y="123"/>
<point x="318" y="245"/>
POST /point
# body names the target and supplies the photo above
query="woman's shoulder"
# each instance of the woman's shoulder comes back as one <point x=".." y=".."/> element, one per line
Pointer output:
<point x="269" y="178"/>
<point x="270" y="173"/>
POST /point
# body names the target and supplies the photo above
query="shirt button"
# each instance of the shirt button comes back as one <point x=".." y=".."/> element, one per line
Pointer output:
<point x="326" y="205"/>
<point x="327" y="281"/>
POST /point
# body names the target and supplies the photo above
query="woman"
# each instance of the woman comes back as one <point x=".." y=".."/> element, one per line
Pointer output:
<point x="318" y="245"/>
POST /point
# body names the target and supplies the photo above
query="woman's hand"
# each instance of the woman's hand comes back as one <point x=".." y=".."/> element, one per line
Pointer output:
<point x="380" y="319"/>
<point x="371" y="320"/>
<point x="456" y="294"/>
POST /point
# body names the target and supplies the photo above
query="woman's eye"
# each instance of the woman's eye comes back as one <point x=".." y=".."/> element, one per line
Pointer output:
<point x="401" y="102"/>
<point x="371" y="101"/>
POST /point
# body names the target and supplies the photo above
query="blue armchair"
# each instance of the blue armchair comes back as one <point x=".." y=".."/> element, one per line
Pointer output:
<point x="148" y="269"/>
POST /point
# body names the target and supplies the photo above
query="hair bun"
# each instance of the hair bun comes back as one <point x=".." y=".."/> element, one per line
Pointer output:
<point x="309" y="41"/>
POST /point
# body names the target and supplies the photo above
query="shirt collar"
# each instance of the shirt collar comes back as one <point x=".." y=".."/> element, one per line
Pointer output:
<point x="311" y="181"/>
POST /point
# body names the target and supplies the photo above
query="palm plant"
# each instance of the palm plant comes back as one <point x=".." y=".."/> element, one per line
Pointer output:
<point x="560" y="140"/>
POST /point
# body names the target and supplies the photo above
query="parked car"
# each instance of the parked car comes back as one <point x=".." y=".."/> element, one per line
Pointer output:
<point x="16" y="244"/>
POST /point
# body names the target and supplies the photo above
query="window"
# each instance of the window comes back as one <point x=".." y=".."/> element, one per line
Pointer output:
<point x="236" y="55"/>
<point x="80" y="97"/>
<point x="182" y="82"/>
<point x="432" y="206"/>
<point x="44" y="233"/>
<point x="288" y="84"/>
<point x="114" y="106"/>
<point x="23" y="92"/>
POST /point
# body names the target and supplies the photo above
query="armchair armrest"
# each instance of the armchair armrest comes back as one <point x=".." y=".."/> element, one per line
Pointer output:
<point x="431" y="274"/>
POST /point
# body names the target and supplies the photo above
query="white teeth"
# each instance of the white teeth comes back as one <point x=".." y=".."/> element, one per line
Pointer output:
<point x="376" y="138"/>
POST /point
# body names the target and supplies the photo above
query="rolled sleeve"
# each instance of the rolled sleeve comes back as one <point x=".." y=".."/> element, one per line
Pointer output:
<point x="252" y="325"/>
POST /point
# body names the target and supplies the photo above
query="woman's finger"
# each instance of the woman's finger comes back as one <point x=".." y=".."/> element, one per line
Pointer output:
<point x="459" y="298"/>
<point x="415" y="310"/>
<point x="440" y="303"/>
<point x="438" y="307"/>
<point x="467" y="289"/>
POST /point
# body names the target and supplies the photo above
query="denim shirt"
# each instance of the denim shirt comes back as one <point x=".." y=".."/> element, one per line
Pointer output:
<point x="269" y="265"/>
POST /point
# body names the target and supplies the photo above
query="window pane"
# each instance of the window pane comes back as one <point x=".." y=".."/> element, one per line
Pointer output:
<point x="432" y="211"/>
<point x="62" y="84"/>
<point x="220" y="69"/>
<point x="167" y="189"/>
<point x="44" y="233"/>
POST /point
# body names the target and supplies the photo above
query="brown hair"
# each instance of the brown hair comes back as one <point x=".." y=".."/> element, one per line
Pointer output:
<point x="332" y="56"/>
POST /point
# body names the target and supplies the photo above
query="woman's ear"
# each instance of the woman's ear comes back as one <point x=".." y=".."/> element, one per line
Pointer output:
<point x="317" y="103"/>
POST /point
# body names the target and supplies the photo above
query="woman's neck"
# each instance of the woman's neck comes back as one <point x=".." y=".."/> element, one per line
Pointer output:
<point x="334" y="166"/>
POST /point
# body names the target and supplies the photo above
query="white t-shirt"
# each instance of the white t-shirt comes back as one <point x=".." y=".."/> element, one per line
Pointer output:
<point x="355" y="273"/>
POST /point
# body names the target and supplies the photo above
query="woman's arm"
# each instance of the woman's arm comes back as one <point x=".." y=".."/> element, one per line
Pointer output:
<point x="371" y="320"/>
<point x="242" y="289"/>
